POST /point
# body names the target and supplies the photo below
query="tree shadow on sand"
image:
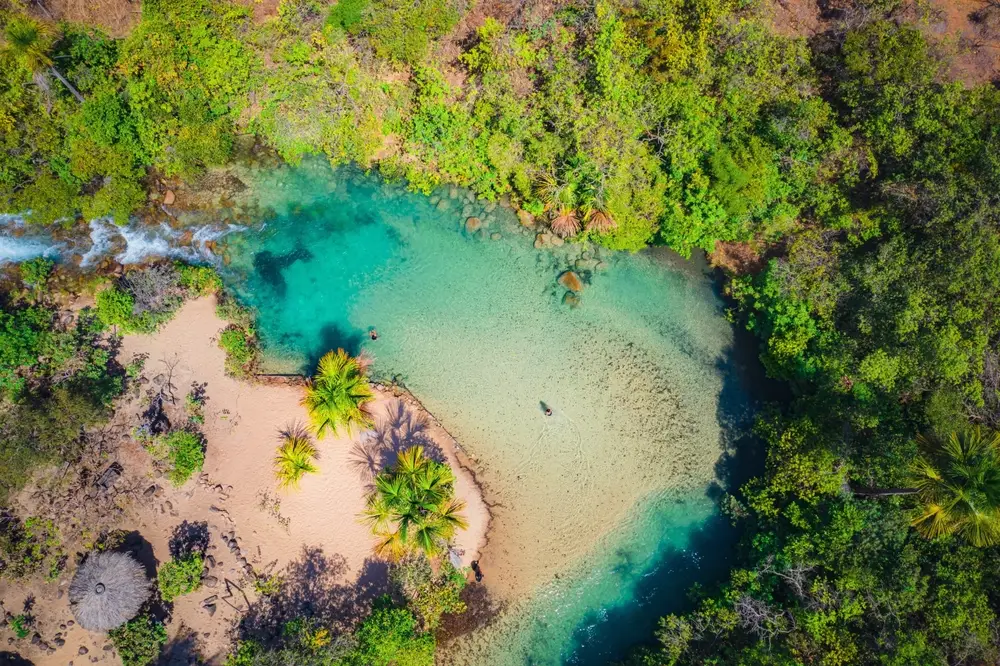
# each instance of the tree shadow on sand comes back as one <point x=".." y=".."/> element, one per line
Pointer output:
<point x="317" y="586"/>
<point x="401" y="428"/>
<point x="181" y="651"/>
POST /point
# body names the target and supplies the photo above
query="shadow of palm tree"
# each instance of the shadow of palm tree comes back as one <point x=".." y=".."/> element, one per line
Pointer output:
<point x="317" y="586"/>
<point x="399" y="429"/>
<point x="180" y="651"/>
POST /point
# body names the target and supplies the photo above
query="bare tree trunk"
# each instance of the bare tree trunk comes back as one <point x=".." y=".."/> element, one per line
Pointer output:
<point x="860" y="491"/>
<point x="69" y="86"/>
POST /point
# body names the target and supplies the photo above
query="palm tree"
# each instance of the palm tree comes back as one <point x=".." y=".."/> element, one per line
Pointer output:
<point x="29" y="41"/>
<point x="294" y="459"/>
<point x="958" y="483"/>
<point x="413" y="506"/>
<point x="337" y="395"/>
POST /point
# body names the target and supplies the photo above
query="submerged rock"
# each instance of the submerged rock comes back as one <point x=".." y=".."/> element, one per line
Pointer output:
<point x="473" y="224"/>
<point x="496" y="235"/>
<point x="571" y="281"/>
<point x="571" y="299"/>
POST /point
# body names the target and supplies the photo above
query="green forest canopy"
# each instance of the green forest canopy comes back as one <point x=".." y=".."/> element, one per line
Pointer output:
<point x="850" y="161"/>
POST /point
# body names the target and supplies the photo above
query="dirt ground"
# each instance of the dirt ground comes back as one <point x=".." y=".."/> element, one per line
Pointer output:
<point x="310" y="536"/>
<point x="966" y="30"/>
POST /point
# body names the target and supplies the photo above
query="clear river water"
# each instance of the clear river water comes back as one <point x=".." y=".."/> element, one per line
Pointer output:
<point x="602" y="513"/>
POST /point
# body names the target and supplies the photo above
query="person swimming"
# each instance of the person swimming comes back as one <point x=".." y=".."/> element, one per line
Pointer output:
<point x="548" y="411"/>
<point x="373" y="334"/>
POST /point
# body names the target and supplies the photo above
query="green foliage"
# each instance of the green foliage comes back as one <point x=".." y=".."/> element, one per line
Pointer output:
<point x="179" y="576"/>
<point x="199" y="280"/>
<point x="241" y="350"/>
<point x="35" y="272"/>
<point x="958" y="483"/>
<point x="337" y="395"/>
<point x="412" y="508"/>
<point x="389" y="637"/>
<point x="185" y="451"/>
<point x="429" y="596"/>
<point x="21" y="625"/>
<point x="139" y="640"/>
<point x="403" y="31"/>
<point x="347" y="14"/>
<point x="295" y="459"/>
<point x="28" y="547"/>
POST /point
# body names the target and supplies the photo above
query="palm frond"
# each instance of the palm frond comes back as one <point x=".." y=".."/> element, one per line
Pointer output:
<point x="294" y="460"/>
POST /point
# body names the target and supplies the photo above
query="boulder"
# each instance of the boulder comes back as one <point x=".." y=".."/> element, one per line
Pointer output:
<point x="585" y="264"/>
<point x="496" y="235"/>
<point x="571" y="299"/>
<point x="473" y="224"/>
<point x="169" y="198"/>
<point x="557" y="241"/>
<point x="601" y="266"/>
<point x="210" y="581"/>
<point x="525" y="218"/>
<point x="571" y="281"/>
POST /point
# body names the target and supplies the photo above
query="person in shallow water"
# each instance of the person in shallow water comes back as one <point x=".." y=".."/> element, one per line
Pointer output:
<point x="373" y="334"/>
<point x="545" y="408"/>
<point x="548" y="411"/>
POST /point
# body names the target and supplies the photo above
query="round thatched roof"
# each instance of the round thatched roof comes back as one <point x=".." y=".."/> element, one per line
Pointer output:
<point x="107" y="591"/>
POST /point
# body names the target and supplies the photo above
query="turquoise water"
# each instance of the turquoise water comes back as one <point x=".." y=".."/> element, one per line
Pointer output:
<point x="601" y="519"/>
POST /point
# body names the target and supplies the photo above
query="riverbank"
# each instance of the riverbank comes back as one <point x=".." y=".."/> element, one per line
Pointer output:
<point x="310" y="535"/>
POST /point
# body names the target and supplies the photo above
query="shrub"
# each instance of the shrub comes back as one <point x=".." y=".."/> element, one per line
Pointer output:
<point x="153" y="289"/>
<point x="294" y="460"/>
<point x="240" y="350"/>
<point x="21" y="625"/>
<point x="389" y="636"/>
<point x="429" y="596"/>
<point x="139" y="640"/>
<point x="198" y="280"/>
<point x="186" y="452"/>
<point x="180" y="576"/>
<point x="25" y="547"/>
<point x="35" y="272"/>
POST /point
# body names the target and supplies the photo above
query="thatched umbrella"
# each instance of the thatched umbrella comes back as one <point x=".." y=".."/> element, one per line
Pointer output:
<point x="107" y="591"/>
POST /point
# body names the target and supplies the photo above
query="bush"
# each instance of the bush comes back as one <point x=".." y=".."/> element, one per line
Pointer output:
<point x="240" y="350"/>
<point x="198" y="280"/>
<point x="139" y="640"/>
<point x="389" y="636"/>
<point x="186" y="452"/>
<point x="26" y="547"/>
<point x="153" y="289"/>
<point x="429" y="596"/>
<point x="180" y="576"/>
<point x="35" y="272"/>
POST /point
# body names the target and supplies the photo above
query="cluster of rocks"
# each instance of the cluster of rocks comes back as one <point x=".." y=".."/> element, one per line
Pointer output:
<point x="233" y="543"/>
<point x="221" y="490"/>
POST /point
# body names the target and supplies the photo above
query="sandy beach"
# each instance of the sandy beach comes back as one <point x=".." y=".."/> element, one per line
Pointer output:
<point x="311" y="534"/>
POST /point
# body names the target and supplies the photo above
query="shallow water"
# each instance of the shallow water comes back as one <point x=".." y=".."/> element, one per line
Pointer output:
<point x="601" y="519"/>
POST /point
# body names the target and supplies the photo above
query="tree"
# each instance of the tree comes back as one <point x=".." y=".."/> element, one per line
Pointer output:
<point x="337" y="395"/>
<point x="294" y="460"/>
<point x="29" y="41"/>
<point x="413" y="506"/>
<point x="958" y="483"/>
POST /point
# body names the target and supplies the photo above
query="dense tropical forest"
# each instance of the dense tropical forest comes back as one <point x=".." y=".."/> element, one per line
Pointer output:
<point x="845" y="182"/>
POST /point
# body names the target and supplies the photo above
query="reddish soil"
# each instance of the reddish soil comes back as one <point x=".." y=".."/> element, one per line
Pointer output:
<point x="115" y="17"/>
<point x="967" y="31"/>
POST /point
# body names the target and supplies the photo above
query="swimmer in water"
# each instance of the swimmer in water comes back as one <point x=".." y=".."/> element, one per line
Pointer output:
<point x="548" y="411"/>
<point x="373" y="334"/>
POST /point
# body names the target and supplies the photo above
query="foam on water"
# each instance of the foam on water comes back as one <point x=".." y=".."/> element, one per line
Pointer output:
<point x="601" y="520"/>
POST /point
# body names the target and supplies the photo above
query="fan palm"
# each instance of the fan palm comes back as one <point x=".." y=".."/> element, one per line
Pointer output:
<point x="29" y="41"/>
<point x="294" y="460"/>
<point x="338" y="394"/>
<point x="599" y="220"/>
<point x="566" y="223"/>
<point x="413" y="507"/>
<point x="958" y="483"/>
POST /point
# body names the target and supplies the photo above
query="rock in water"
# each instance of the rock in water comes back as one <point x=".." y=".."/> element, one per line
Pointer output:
<point x="473" y="224"/>
<point x="571" y="299"/>
<point x="526" y="218"/>
<point x="571" y="281"/>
